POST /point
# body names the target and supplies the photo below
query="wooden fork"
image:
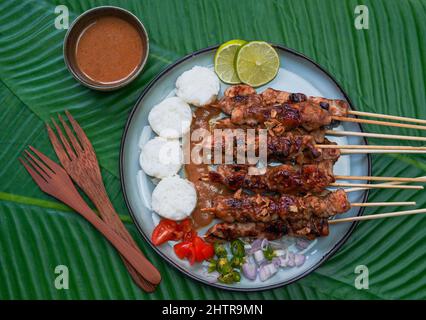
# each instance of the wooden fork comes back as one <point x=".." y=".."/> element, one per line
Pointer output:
<point x="78" y="157"/>
<point x="52" y="179"/>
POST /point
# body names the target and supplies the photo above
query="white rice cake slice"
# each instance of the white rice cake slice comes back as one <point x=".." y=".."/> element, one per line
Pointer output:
<point x="171" y="118"/>
<point x="198" y="86"/>
<point x="161" y="158"/>
<point x="174" y="198"/>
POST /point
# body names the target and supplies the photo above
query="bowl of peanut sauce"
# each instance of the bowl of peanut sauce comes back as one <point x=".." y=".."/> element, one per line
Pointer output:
<point x="106" y="48"/>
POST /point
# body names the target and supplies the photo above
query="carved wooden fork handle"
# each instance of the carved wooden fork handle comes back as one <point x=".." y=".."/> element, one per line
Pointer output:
<point x="110" y="216"/>
<point x="78" y="157"/>
<point x="53" y="180"/>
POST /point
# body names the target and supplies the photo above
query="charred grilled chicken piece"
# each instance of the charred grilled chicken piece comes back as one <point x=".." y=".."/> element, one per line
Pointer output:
<point x="271" y="97"/>
<point x="289" y="110"/>
<point x="305" y="114"/>
<point x="258" y="208"/>
<point x="300" y="149"/>
<point x="230" y="231"/>
<point x="335" y="107"/>
<point x="238" y="93"/>
<point x="290" y="146"/>
<point x="239" y="96"/>
<point x="245" y="106"/>
<point x="310" y="229"/>
<point x="318" y="135"/>
<point x="284" y="178"/>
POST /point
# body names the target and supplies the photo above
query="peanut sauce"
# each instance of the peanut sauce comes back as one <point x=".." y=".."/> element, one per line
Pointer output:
<point x="109" y="50"/>
<point x="206" y="190"/>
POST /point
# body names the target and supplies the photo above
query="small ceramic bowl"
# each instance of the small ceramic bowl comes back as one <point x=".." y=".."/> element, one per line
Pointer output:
<point x="77" y="28"/>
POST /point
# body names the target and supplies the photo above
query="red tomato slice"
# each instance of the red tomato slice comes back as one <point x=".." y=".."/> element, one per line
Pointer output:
<point x="208" y="251"/>
<point x="189" y="236"/>
<point x="164" y="231"/>
<point x="198" y="245"/>
<point x="184" y="250"/>
<point x="185" y="226"/>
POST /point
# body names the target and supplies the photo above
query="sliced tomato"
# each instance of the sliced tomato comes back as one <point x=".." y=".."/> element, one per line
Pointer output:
<point x="198" y="245"/>
<point x="193" y="247"/>
<point x="186" y="250"/>
<point x="164" y="231"/>
<point x="168" y="230"/>
<point x="203" y="250"/>
<point x="189" y="236"/>
<point x="186" y="226"/>
<point x="208" y="251"/>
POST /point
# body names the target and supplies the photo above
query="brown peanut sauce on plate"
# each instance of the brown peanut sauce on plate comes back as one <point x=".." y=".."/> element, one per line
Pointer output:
<point x="206" y="190"/>
<point x="109" y="50"/>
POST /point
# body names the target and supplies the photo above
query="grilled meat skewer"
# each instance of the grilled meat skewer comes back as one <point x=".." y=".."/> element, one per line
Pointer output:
<point x="258" y="208"/>
<point x="290" y="146"/>
<point x="289" y="116"/>
<point x="335" y="107"/>
<point x="283" y="178"/>
<point x="244" y="95"/>
<point x="245" y="106"/>
<point x="316" y="227"/>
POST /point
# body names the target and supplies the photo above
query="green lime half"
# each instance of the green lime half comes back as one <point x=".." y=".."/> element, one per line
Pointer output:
<point x="224" y="61"/>
<point x="257" y="63"/>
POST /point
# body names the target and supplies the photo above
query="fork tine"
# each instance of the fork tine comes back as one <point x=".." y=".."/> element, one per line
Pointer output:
<point x="56" y="168"/>
<point x="36" y="177"/>
<point x="82" y="137"/>
<point x="71" y="137"/>
<point x="40" y="164"/>
<point x="40" y="172"/>
<point x="67" y="146"/>
<point x="57" y="145"/>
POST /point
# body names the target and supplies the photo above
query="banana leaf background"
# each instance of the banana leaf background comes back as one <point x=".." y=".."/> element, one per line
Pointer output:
<point x="383" y="69"/>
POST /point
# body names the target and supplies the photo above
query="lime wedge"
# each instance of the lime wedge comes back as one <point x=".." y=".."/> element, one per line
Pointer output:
<point x="257" y="63"/>
<point x="224" y="61"/>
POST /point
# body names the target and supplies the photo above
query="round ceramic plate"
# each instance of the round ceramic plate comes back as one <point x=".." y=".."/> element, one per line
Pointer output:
<point x="297" y="74"/>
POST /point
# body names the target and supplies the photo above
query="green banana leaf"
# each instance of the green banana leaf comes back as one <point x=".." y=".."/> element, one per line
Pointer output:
<point x="383" y="69"/>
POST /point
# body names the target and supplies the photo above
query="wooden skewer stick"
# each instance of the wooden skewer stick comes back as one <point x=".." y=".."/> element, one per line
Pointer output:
<point x="379" y="204"/>
<point x="361" y="151"/>
<point x="374" y="147"/>
<point x="373" y="135"/>
<point x="379" y="186"/>
<point x="385" y="116"/>
<point x="378" y="216"/>
<point x="392" y="183"/>
<point x="373" y="178"/>
<point x="380" y="123"/>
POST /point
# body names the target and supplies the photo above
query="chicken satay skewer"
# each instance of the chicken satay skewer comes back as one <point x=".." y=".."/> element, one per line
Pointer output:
<point x="287" y="178"/>
<point x="338" y="106"/>
<point x="246" y="106"/>
<point x="275" y="230"/>
<point x="262" y="208"/>
<point x="356" y="204"/>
